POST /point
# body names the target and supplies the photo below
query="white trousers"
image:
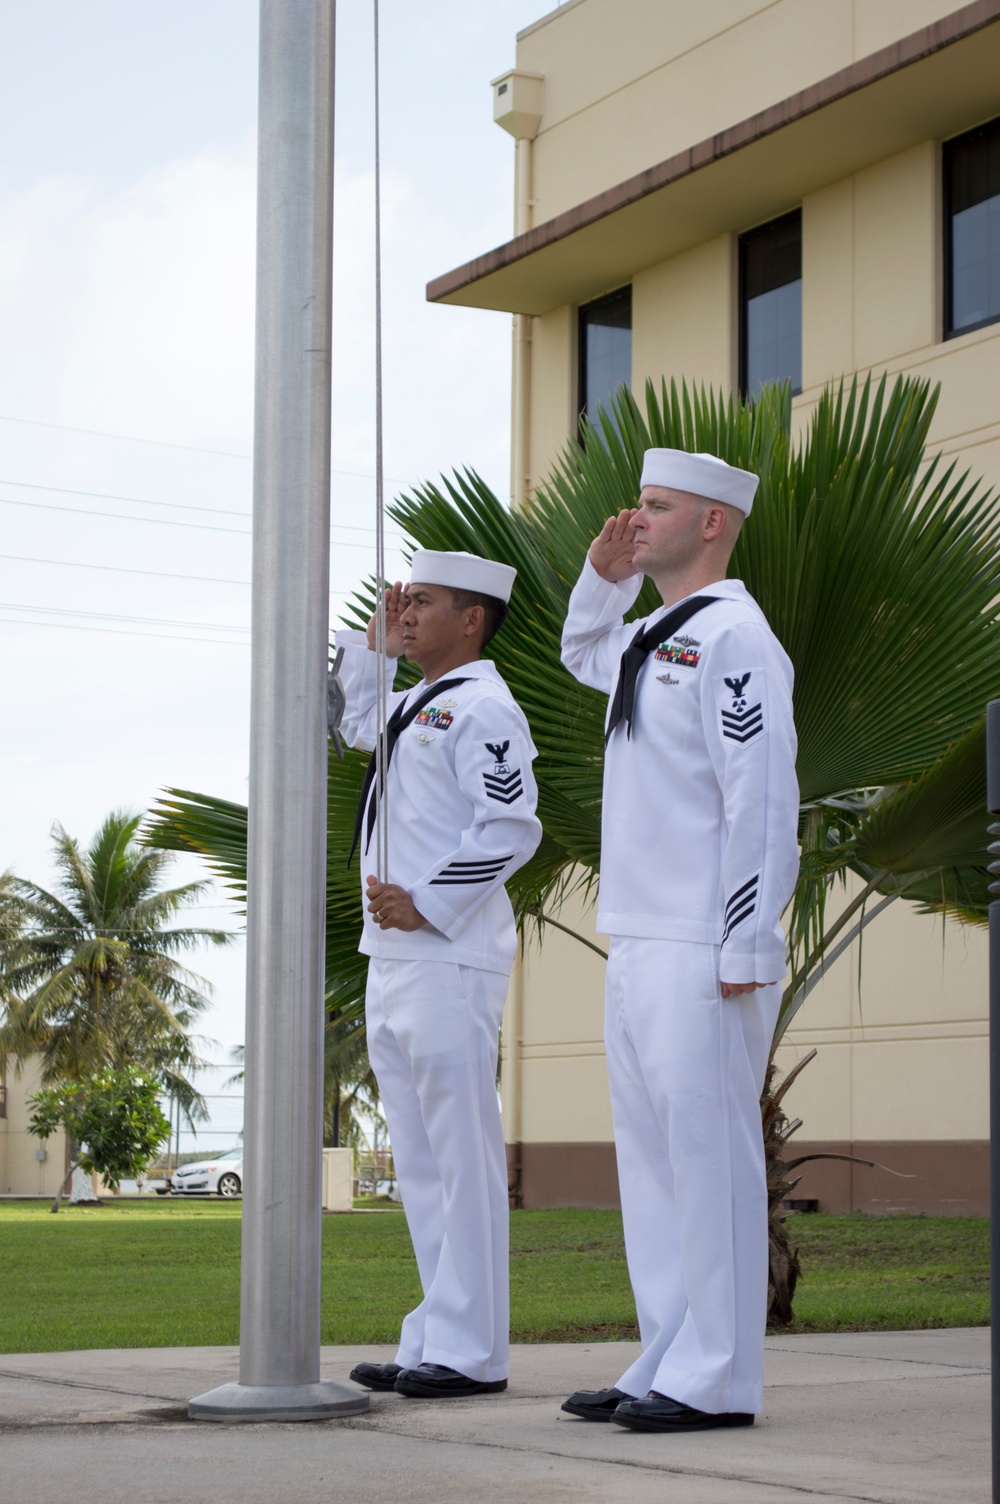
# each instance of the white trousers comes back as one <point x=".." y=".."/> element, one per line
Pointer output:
<point x="433" y="1031"/>
<point x="686" y="1068"/>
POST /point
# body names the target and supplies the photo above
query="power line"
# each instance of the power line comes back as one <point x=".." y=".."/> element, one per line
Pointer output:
<point x="155" y="574"/>
<point x="183" y="506"/>
<point x="143" y="501"/>
<point x="149" y="621"/>
<point x="131" y="438"/>
<point x="65" y="626"/>
<point x="200" y="527"/>
<point x="84" y="933"/>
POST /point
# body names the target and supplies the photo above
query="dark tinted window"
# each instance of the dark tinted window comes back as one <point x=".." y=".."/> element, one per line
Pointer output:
<point x="972" y="229"/>
<point x="605" y="350"/>
<point x="771" y="304"/>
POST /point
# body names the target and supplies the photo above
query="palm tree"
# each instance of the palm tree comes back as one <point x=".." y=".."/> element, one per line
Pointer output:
<point x="350" y="1088"/>
<point x="349" y="1084"/>
<point x="89" y="975"/>
<point x="878" y="571"/>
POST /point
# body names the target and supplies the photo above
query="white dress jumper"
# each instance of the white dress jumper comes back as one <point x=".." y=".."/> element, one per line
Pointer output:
<point x="698" y="860"/>
<point x="461" y="801"/>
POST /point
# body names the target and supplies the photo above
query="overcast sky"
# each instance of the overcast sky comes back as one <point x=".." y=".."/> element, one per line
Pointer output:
<point x="126" y="332"/>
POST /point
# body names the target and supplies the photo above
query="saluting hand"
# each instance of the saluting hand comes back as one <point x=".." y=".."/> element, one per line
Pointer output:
<point x="396" y="602"/>
<point x="611" y="551"/>
<point x="391" y="906"/>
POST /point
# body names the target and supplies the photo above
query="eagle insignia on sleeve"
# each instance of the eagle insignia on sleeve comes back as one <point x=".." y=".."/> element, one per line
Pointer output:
<point x="504" y="783"/>
<point x="741" y="721"/>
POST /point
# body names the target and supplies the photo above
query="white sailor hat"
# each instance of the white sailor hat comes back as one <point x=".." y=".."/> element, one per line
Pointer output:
<point x="701" y="475"/>
<point x="462" y="571"/>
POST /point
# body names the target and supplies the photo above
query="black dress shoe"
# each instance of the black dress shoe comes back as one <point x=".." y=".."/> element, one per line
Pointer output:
<point x="376" y="1375"/>
<point x="657" y="1412"/>
<point x="432" y="1381"/>
<point x="594" y="1404"/>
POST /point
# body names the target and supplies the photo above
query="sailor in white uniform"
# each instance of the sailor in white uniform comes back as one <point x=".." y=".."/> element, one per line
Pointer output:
<point x="439" y="929"/>
<point x="698" y="860"/>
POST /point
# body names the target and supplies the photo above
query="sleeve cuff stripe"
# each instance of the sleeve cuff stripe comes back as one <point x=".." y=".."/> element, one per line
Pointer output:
<point x="737" y="919"/>
<point x="491" y="866"/>
<point x="741" y="892"/>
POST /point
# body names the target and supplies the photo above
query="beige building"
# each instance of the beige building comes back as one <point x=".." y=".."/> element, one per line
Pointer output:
<point x="732" y="192"/>
<point x="27" y="1166"/>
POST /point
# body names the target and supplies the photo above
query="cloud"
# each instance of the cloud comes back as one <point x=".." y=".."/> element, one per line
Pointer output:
<point x="446" y="371"/>
<point x="134" y="313"/>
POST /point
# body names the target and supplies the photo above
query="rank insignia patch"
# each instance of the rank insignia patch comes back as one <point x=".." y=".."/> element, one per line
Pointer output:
<point x="740" y="905"/>
<point x="740" y="720"/>
<point x="677" y="652"/>
<point x="503" y="784"/>
<point x="435" y="716"/>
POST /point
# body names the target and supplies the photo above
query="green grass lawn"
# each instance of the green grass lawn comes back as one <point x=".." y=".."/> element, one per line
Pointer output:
<point x="891" y="1273"/>
<point x="162" y="1273"/>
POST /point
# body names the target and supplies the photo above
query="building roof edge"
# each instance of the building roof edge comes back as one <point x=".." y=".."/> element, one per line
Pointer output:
<point x="898" y="55"/>
<point x="549" y="16"/>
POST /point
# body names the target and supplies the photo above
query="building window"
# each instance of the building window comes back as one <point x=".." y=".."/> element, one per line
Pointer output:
<point x="605" y="350"/>
<point x="771" y="304"/>
<point x="972" y="229"/>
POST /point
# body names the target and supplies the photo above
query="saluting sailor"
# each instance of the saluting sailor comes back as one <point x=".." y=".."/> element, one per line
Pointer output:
<point x="698" y="860"/>
<point x="460" y="798"/>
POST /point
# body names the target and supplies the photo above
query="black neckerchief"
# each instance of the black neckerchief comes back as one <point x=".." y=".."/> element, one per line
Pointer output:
<point x="635" y="655"/>
<point x="401" y="717"/>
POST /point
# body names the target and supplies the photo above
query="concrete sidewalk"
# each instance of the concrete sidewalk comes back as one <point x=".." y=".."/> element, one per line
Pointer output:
<point x="896" y="1419"/>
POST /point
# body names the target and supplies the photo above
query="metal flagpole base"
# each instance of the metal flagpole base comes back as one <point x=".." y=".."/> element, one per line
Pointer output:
<point x="232" y="1403"/>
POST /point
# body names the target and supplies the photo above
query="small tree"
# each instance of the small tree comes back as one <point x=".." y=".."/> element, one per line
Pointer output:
<point x="90" y="978"/>
<point x="114" y="1118"/>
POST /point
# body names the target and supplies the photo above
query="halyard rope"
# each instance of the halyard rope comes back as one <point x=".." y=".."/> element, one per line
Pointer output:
<point x="383" y="682"/>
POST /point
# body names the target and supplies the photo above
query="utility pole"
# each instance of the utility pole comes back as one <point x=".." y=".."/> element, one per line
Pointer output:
<point x="286" y="899"/>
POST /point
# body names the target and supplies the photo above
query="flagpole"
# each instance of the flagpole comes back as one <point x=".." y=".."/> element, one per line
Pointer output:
<point x="286" y="860"/>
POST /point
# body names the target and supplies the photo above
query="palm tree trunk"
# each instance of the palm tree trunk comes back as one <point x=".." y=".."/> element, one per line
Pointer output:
<point x="783" y="1260"/>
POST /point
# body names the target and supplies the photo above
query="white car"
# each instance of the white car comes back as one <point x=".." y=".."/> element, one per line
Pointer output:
<point x="220" y="1176"/>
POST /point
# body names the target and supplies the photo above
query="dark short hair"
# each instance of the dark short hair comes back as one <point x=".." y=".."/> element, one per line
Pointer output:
<point x="494" y="610"/>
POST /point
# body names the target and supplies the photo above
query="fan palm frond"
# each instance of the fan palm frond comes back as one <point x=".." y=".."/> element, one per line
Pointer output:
<point x="879" y="572"/>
